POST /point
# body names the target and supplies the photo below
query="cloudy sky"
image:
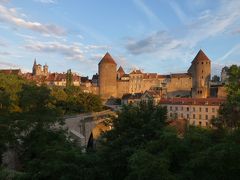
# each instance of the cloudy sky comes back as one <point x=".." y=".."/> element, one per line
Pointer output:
<point x="153" y="35"/>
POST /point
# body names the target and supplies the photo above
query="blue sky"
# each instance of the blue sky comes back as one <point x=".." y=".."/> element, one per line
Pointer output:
<point x="153" y="35"/>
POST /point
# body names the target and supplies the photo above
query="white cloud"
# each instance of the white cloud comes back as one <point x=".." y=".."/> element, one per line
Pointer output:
<point x="208" y="24"/>
<point x="4" y="65"/>
<point x="179" y="12"/>
<point x="4" y="53"/>
<point x="3" y="43"/>
<point x="4" y="1"/>
<point x="149" y="13"/>
<point x="47" y="1"/>
<point x="13" y="17"/>
<point x="71" y="51"/>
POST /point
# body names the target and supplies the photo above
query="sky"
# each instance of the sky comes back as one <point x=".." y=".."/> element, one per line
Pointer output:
<point x="161" y="36"/>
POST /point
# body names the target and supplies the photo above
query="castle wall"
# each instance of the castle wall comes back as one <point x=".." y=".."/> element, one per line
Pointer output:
<point x="153" y="82"/>
<point x="122" y="88"/>
<point x="222" y="92"/>
<point x="179" y="86"/>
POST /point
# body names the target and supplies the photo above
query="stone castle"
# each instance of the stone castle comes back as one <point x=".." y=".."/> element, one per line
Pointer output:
<point x="116" y="83"/>
<point x="111" y="82"/>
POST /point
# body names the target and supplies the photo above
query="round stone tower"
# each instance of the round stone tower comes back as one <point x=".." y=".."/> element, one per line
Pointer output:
<point x="201" y="74"/>
<point x="107" y="70"/>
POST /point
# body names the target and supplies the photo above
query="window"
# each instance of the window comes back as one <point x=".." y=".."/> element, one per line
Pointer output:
<point x="206" y="117"/>
<point x="187" y="108"/>
<point x="176" y="108"/>
<point x="170" y="114"/>
<point x="206" y="109"/>
<point x="170" y="108"/>
<point x="207" y="124"/>
<point x="181" y="115"/>
<point x="213" y="110"/>
<point x="182" y="108"/>
<point x="200" y="123"/>
<point x="213" y="116"/>
<point x="188" y="116"/>
<point x="200" y="116"/>
<point x="200" y="109"/>
<point x="194" y="116"/>
<point x="193" y="109"/>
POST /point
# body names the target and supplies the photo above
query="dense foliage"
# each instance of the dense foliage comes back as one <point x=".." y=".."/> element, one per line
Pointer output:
<point x="141" y="145"/>
<point x="230" y="111"/>
<point x="28" y="114"/>
<point x="72" y="100"/>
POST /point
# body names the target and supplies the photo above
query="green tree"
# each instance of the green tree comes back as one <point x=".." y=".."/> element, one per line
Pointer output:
<point x="229" y="113"/>
<point x="69" y="78"/>
<point x="215" y="78"/>
<point x="133" y="129"/>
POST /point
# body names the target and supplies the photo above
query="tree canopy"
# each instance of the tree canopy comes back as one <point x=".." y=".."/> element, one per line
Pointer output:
<point x="140" y="145"/>
<point x="229" y="114"/>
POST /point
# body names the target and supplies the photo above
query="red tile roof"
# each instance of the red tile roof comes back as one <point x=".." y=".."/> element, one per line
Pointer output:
<point x="11" y="71"/>
<point x="180" y="75"/>
<point x="201" y="56"/>
<point x="107" y="59"/>
<point x="193" y="101"/>
<point x="120" y="70"/>
<point x="136" y="72"/>
<point x="150" y="75"/>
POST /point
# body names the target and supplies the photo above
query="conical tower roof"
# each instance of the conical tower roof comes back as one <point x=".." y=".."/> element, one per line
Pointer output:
<point x="35" y="62"/>
<point x="107" y="59"/>
<point x="120" y="70"/>
<point x="201" y="56"/>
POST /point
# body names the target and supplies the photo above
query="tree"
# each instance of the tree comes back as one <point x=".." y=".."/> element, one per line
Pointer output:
<point x="218" y="160"/>
<point x="215" y="78"/>
<point x="133" y="129"/>
<point x="69" y="78"/>
<point x="229" y="113"/>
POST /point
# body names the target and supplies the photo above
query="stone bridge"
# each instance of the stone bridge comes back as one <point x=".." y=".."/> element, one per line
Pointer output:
<point x="85" y="128"/>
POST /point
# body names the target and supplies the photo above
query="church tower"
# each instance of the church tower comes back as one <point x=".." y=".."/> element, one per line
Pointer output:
<point x="201" y="74"/>
<point x="34" y="69"/>
<point x="45" y="70"/>
<point x="107" y="70"/>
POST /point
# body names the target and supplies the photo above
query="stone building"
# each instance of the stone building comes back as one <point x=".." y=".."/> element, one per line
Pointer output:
<point x="38" y="70"/>
<point x="197" y="111"/>
<point x="107" y="69"/>
<point x="200" y="71"/>
<point x="224" y="74"/>
<point x="116" y="83"/>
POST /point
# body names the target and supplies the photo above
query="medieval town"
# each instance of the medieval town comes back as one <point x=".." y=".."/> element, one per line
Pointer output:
<point x="191" y="96"/>
<point x="119" y="90"/>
